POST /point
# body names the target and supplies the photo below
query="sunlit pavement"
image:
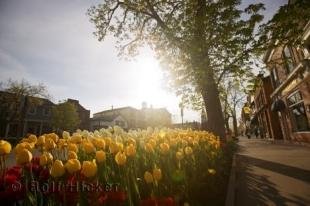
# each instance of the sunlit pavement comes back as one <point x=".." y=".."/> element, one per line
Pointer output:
<point x="272" y="174"/>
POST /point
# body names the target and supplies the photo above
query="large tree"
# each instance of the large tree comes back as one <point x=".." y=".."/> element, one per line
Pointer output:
<point x="15" y="100"/>
<point x="199" y="41"/>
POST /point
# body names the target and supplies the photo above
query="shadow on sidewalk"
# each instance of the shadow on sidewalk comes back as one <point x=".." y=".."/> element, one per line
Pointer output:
<point x="297" y="173"/>
<point x="254" y="189"/>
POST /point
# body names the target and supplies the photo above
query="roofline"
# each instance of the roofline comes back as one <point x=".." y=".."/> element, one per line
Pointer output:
<point x="45" y="99"/>
<point x="116" y="109"/>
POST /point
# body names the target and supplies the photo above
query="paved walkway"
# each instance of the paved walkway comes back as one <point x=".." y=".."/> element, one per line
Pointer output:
<point x="272" y="174"/>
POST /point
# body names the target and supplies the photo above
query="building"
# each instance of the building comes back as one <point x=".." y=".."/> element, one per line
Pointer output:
<point x="83" y="113"/>
<point x="23" y="114"/>
<point x="188" y="125"/>
<point x="126" y="117"/>
<point x="109" y="121"/>
<point x="290" y="79"/>
<point x="131" y="118"/>
<point x="264" y="122"/>
<point x="156" y="117"/>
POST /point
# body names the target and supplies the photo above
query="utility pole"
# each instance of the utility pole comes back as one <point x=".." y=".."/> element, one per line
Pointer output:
<point x="182" y="111"/>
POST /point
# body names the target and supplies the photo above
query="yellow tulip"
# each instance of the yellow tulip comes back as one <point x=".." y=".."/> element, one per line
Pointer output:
<point x="100" y="143"/>
<point x="41" y="141"/>
<point x="131" y="141"/>
<point x="72" y="155"/>
<point x="120" y="146"/>
<point x="49" y="144"/>
<point x="164" y="148"/>
<point x="73" y="147"/>
<point x="157" y="174"/>
<point x="188" y="150"/>
<point x="24" y="145"/>
<point x="212" y="171"/>
<point x="120" y="158"/>
<point x="76" y="138"/>
<point x="73" y="165"/>
<point x="49" y="157"/>
<point x="130" y="150"/>
<point x="100" y="156"/>
<point x="43" y="160"/>
<point x="57" y="169"/>
<point x="152" y="142"/>
<point x="179" y="155"/>
<point x="5" y="147"/>
<point x="46" y="158"/>
<point x="23" y="157"/>
<point x="32" y="138"/>
<point x="89" y="169"/>
<point x="52" y="136"/>
<point x="65" y="135"/>
<point x="148" y="148"/>
<point x="62" y="143"/>
<point x="114" y="148"/>
<point x="108" y="141"/>
<point x="88" y="147"/>
<point x="184" y="143"/>
<point x="148" y="177"/>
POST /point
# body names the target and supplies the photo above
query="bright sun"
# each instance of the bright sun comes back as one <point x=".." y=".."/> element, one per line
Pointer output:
<point x="149" y="82"/>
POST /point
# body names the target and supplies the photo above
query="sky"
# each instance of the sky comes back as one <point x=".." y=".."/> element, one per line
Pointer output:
<point x="52" y="42"/>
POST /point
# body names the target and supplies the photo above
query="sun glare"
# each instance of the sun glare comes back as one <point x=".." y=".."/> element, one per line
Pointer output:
<point x="149" y="82"/>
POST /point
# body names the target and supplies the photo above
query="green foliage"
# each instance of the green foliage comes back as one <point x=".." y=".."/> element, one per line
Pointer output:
<point x="179" y="35"/>
<point x="285" y="27"/>
<point x="65" y="117"/>
<point x="198" y="42"/>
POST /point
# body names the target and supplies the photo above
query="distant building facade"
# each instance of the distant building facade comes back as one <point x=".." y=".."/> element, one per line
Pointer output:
<point x="84" y="114"/>
<point x="264" y="122"/>
<point x="131" y="118"/>
<point x="21" y="115"/>
<point x="188" y="125"/>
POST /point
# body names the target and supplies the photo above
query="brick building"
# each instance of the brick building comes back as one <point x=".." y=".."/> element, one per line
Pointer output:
<point x="264" y="120"/>
<point x="83" y="113"/>
<point x="289" y="69"/>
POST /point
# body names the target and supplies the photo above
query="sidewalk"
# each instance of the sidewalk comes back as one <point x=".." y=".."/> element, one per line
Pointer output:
<point x="272" y="174"/>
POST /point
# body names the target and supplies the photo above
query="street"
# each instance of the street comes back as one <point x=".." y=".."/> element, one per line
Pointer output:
<point x="272" y="174"/>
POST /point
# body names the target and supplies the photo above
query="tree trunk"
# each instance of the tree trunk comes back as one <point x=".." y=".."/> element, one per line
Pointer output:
<point x="210" y="94"/>
<point x="205" y="74"/>
<point x="235" y="125"/>
<point x="227" y="123"/>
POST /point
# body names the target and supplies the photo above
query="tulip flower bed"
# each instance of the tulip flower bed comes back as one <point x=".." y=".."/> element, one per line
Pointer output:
<point x="113" y="167"/>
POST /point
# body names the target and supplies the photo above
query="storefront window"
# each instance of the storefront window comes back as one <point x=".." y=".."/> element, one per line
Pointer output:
<point x="288" y="59"/>
<point x="298" y="112"/>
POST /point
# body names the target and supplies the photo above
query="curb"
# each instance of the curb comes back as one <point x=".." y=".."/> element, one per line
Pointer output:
<point x="231" y="189"/>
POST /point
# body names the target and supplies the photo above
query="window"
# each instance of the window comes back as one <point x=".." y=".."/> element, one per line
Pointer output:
<point x="46" y="111"/>
<point x="275" y="78"/>
<point x="119" y="123"/>
<point x="288" y="59"/>
<point x="298" y="112"/>
<point x="32" y="110"/>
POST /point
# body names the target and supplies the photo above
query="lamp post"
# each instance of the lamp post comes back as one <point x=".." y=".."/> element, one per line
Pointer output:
<point x="182" y="111"/>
